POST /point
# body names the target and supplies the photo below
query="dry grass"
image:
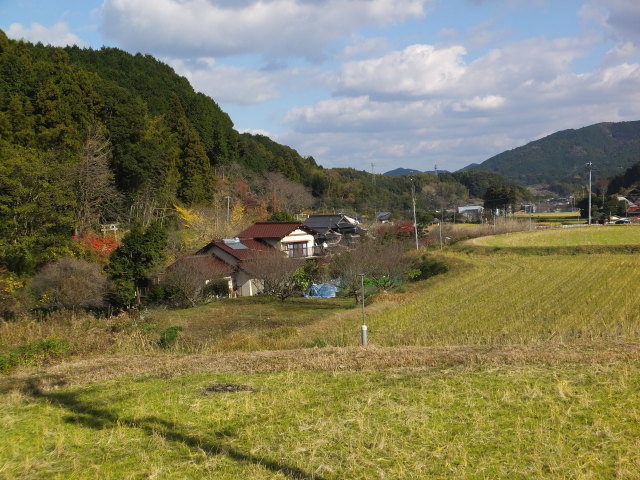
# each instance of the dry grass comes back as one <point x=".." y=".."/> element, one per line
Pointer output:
<point x="610" y="235"/>
<point x="489" y="421"/>
<point x="514" y="299"/>
<point x="97" y="369"/>
<point x="452" y="233"/>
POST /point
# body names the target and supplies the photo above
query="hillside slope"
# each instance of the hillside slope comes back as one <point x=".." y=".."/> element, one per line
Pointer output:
<point x="561" y="157"/>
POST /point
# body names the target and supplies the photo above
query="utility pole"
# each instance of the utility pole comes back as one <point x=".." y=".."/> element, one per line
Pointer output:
<point x="415" y="223"/>
<point x="364" y="323"/>
<point x="589" y="192"/>
<point x="228" y="207"/>
<point x="435" y="169"/>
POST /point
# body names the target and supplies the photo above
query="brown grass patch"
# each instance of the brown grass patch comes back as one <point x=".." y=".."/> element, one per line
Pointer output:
<point x="91" y="370"/>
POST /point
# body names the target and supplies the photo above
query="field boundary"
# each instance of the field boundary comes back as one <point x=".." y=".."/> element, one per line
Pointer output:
<point x="469" y="247"/>
<point x="82" y="372"/>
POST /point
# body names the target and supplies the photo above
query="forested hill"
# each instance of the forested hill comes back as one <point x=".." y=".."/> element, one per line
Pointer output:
<point x="93" y="137"/>
<point x="87" y="135"/>
<point x="561" y="157"/>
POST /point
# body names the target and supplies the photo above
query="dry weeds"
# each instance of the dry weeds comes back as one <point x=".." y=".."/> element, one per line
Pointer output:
<point x="84" y="371"/>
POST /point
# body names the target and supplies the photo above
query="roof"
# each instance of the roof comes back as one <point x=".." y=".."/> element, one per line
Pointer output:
<point x="206" y="264"/>
<point x="269" y="230"/>
<point x="337" y="222"/>
<point x="323" y="223"/>
<point x="470" y="208"/>
<point x="252" y="247"/>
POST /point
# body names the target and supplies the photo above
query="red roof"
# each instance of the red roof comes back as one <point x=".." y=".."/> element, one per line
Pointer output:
<point x="253" y="246"/>
<point x="269" y="230"/>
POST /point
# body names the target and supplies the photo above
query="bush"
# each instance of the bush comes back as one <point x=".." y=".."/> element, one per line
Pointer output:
<point x="169" y="336"/>
<point x="70" y="284"/>
<point x="428" y="267"/>
<point x="33" y="353"/>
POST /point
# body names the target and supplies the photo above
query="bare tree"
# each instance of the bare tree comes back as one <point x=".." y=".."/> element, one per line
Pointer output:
<point x="276" y="272"/>
<point x="385" y="264"/>
<point x="287" y="195"/>
<point x="94" y="183"/>
<point x="192" y="279"/>
<point x="70" y="284"/>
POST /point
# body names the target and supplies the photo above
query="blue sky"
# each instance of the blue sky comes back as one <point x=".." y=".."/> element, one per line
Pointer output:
<point x="396" y="83"/>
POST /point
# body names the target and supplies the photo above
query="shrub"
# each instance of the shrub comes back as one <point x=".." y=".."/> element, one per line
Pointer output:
<point x="169" y="336"/>
<point x="70" y="284"/>
<point x="34" y="353"/>
<point x="428" y="266"/>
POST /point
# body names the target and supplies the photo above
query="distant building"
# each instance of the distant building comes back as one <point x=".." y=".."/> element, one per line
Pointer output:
<point x="383" y="217"/>
<point x="292" y="239"/>
<point x="471" y="212"/>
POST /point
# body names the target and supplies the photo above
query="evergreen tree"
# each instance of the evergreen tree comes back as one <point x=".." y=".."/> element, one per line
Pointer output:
<point x="141" y="250"/>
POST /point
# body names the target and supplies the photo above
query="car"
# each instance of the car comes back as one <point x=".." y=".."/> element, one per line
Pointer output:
<point x="623" y="220"/>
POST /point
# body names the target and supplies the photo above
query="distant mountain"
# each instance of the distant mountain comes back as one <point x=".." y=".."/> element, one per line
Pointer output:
<point x="401" y="171"/>
<point x="562" y="157"/>
<point x="409" y="171"/>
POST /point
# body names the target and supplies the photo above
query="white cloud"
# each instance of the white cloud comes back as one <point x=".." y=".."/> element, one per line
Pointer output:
<point x="57" y="35"/>
<point x="489" y="102"/>
<point x="219" y="28"/>
<point x="416" y="71"/>
<point x="227" y="84"/>
<point x="362" y="47"/>
<point x="503" y="99"/>
<point x="256" y="131"/>
<point x="623" y="20"/>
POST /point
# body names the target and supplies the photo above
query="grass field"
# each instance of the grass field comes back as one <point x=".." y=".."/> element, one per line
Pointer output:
<point x="573" y="421"/>
<point x="579" y="236"/>
<point x="508" y="366"/>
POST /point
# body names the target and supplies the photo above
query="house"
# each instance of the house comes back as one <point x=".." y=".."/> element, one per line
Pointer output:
<point x="203" y="269"/>
<point x="471" y="212"/>
<point x="334" y="229"/>
<point x="292" y="239"/>
<point x="383" y="217"/>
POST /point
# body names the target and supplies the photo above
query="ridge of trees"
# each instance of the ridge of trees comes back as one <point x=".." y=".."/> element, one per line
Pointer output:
<point x="93" y="137"/>
<point x="558" y="160"/>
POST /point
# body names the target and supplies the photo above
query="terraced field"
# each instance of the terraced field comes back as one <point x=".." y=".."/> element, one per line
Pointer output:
<point x="510" y="365"/>
<point x="610" y="235"/>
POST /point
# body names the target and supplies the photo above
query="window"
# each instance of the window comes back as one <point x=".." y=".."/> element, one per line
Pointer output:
<point x="298" y="249"/>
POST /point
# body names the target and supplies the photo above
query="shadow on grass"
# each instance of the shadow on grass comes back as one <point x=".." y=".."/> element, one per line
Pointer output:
<point x="83" y="413"/>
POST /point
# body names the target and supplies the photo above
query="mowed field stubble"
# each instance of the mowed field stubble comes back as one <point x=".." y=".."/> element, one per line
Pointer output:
<point x="509" y="365"/>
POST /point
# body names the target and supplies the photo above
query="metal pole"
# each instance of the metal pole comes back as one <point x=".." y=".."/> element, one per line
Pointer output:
<point x="589" y="193"/>
<point x="364" y="323"/>
<point x="415" y="223"/>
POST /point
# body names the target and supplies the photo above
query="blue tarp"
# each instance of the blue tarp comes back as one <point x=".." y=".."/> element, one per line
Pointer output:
<point x="322" y="290"/>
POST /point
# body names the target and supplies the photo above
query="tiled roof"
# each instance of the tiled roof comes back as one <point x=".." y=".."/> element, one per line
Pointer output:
<point x="205" y="264"/>
<point x="253" y="246"/>
<point x="269" y="230"/>
<point x="322" y="223"/>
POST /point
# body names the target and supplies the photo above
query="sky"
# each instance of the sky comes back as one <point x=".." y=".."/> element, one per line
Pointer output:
<point x="376" y="84"/>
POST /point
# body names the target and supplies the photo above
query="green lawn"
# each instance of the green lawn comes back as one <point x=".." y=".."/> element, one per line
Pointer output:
<point x="572" y="421"/>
